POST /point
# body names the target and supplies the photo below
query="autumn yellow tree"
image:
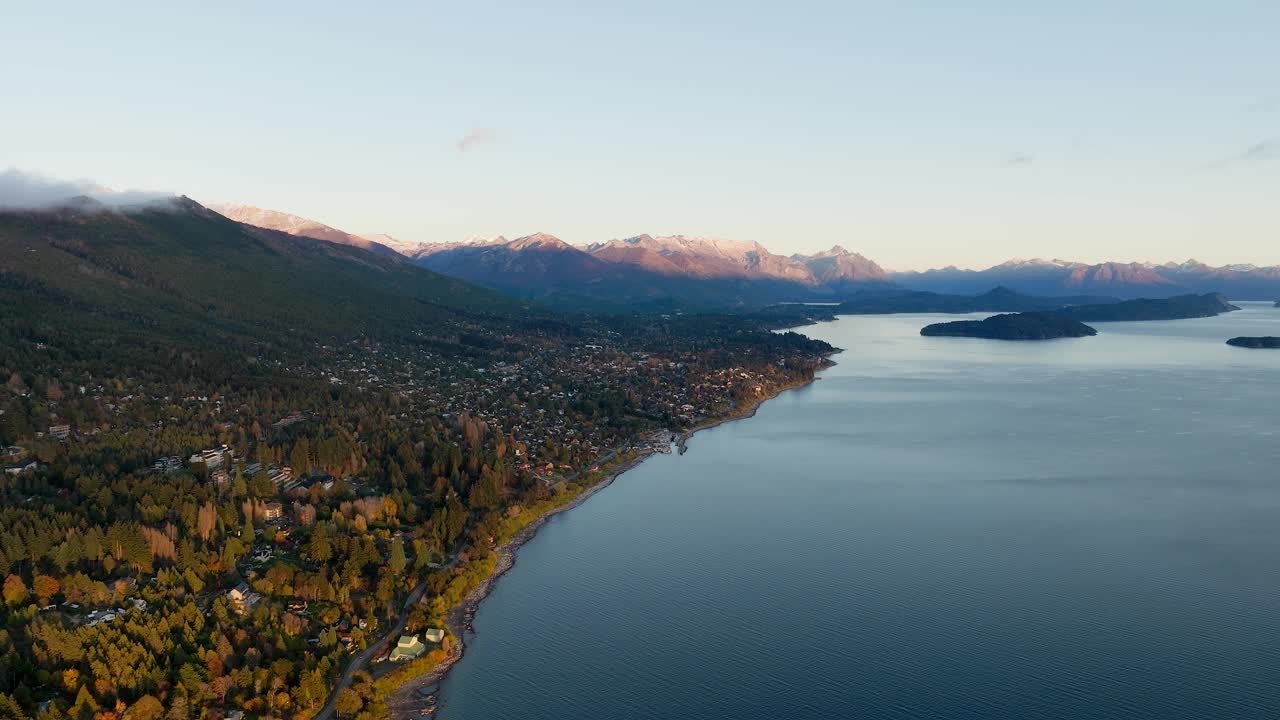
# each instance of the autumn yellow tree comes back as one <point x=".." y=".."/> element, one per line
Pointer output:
<point x="15" y="591"/>
<point x="45" y="588"/>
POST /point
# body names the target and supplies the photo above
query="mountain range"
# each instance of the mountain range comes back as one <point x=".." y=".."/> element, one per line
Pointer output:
<point x="299" y="227"/>
<point x="685" y="271"/>
<point x="1127" y="280"/>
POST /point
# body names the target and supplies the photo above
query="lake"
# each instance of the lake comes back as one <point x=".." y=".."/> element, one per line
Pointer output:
<point x="936" y="528"/>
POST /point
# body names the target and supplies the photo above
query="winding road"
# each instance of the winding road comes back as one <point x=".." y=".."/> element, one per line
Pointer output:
<point x="361" y="660"/>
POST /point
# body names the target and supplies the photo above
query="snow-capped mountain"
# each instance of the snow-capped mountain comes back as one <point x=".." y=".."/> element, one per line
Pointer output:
<point x="701" y="257"/>
<point x="690" y="270"/>
<point x="838" y="266"/>
<point x="404" y="247"/>
<point x="1128" y="280"/>
<point x="300" y="226"/>
<point x="529" y="262"/>
<point x="721" y="258"/>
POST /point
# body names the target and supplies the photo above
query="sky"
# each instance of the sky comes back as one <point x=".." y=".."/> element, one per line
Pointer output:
<point x="921" y="134"/>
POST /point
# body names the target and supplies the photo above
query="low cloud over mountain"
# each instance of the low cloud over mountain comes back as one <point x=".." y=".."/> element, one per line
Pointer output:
<point x="20" y="190"/>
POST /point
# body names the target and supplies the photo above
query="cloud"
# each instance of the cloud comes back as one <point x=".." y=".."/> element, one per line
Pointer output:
<point x="21" y="190"/>
<point x="478" y="136"/>
<point x="1259" y="152"/>
<point x="1020" y="158"/>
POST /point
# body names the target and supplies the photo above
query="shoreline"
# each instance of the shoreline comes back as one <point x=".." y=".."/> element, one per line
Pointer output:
<point x="403" y="703"/>
<point x="682" y="441"/>
<point x="456" y="617"/>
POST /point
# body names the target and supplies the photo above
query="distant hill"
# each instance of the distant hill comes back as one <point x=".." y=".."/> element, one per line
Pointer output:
<point x="176" y="270"/>
<point x="302" y="227"/>
<point x="1001" y="299"/>
<point x="1068" y="321"/>
<point x="1181" y="307"/>
<point x="1126" y="280"/>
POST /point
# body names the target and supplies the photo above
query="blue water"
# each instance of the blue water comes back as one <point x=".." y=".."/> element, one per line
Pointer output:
<point x="937" y="528"/>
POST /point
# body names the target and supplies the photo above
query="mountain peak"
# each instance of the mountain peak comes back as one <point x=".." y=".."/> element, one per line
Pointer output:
<point x="839" y="266"/>
<point x="539" y="241"/>
<point x="297" y="226"/>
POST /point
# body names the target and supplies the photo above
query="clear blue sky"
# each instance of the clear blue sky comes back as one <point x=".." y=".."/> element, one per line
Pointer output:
<point x="920" y="133"/>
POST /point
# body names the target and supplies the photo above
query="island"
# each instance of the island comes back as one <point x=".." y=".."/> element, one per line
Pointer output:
<point x="1013" y="326"/>
<point x="1256" y="343"/>
<point x="1180" y="307"/>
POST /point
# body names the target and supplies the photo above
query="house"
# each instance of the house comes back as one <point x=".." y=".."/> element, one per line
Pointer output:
<point x="167" y="465"/>
<point x="60" y="432"/>
<point x="281" y="476"/>
<point x="407" y="647"/>
<point x="105" y="616"/>
<point x="19" y="468"/>
<point x="212" y="458"/>
<point x="433" y="635"/>
<point x="238" y="593"/>
<point x="242" y="598"/>
<point x="274" y="510"/>
<point x="14" y="452"/>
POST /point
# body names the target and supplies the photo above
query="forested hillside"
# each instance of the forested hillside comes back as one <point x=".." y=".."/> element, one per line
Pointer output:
<point x="231" y="454"/>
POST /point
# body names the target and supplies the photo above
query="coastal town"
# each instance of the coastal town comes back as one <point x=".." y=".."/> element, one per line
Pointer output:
<point x="323" y="539"/>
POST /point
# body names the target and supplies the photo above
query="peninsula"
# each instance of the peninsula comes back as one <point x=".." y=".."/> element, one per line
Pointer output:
<point x="1181" y="307"/>
<point x="1013" y="326"/>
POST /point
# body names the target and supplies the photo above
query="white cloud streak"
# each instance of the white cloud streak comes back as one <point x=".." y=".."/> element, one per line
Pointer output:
<point x="478" y="136"/>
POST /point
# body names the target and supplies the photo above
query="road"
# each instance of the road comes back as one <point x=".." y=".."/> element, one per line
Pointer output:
<point x="361" y="660"/>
